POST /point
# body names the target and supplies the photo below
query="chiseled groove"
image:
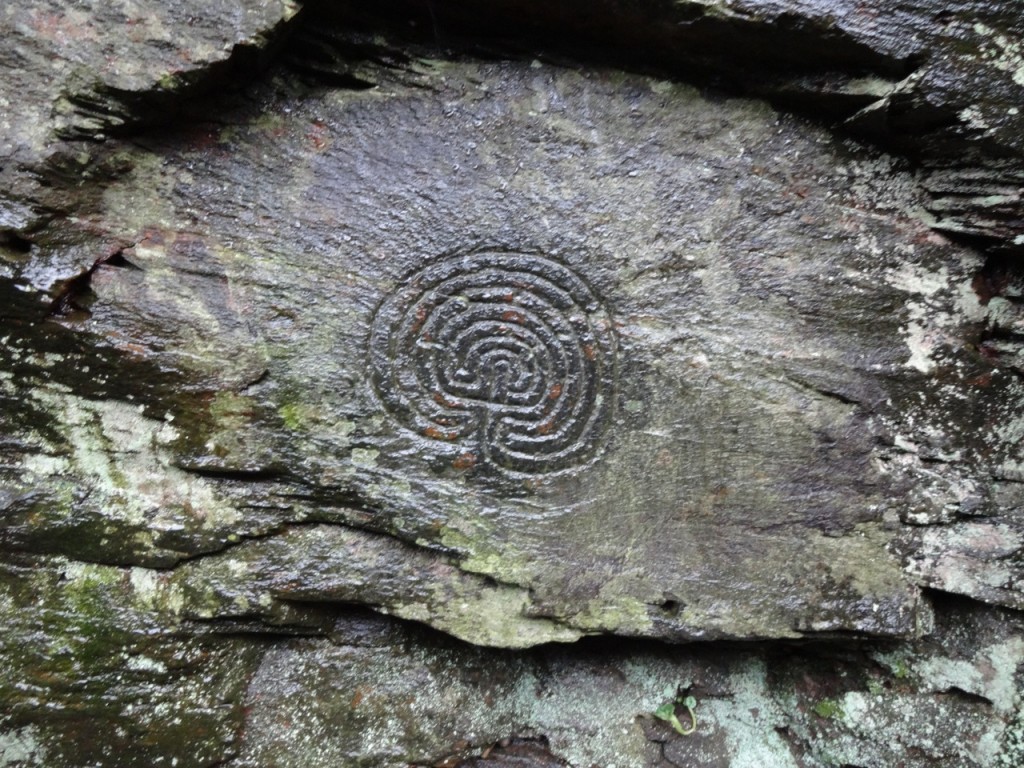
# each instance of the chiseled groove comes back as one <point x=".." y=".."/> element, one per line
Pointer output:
<point x="511" y="357"/>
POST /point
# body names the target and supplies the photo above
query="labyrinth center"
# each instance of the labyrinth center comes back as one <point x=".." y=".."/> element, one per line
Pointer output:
<point x="510" y="357"/>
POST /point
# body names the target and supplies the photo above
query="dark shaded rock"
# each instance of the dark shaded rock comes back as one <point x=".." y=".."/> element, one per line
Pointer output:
<point x="515" y="753"/>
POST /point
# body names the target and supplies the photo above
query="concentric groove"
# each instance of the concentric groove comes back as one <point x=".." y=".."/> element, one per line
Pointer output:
<point x="512" y="357"/>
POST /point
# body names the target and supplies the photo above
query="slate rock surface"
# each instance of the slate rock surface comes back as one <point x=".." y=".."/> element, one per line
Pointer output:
<point x="526" y="327"/>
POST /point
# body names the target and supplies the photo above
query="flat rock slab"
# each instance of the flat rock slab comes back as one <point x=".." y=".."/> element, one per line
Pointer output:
<point x="635" y="354"/>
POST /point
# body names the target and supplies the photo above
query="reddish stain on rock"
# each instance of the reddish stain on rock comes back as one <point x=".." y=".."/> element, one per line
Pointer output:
<point x="546" y="427"/>
<point x="465" y="461"/>
<point x="437" y="434"/>
<point x="318" y="136"/>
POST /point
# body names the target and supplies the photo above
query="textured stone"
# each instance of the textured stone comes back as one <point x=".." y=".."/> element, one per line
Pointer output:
<point x="682" y="414"/>
<point x="411" y="310"/>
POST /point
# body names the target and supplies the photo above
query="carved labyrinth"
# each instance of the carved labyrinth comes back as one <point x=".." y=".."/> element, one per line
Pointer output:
<point x="510" y="356"/>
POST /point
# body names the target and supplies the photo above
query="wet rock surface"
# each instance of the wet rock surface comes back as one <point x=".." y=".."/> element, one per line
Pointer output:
<point x="425" y="325"/>
<point x="654" y="429"/>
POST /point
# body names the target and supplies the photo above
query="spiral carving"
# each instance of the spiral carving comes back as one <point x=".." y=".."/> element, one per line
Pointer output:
<point x="511" y="357"/>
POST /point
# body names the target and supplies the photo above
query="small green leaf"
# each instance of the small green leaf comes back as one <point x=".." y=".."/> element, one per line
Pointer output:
<point x="665" y="711"/>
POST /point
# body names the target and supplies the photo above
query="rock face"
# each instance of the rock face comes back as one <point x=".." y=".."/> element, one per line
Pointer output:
<point x="524" y="350"/>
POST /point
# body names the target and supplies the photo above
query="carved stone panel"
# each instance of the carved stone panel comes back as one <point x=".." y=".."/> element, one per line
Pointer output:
<point x="629" y="359"/>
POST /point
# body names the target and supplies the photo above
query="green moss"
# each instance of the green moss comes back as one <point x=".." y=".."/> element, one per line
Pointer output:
<point x="828" y="709"/>
<point x="169" y="82"/>
<point x="294" y="415"/>
<point x="900" y="670"/>
<point x="897" y="663"/>
<point x="88" y="626"/>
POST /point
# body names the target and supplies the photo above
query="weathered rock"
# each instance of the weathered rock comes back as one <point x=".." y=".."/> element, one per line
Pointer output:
<point x="128" y="679"/>
<point x="940" y="82"/>
<point x="678" y="434"/>
<point x="97" y="671"/>
<point x="97" y="67"/>
<point x="942" y="704"/>
<point x="519" y="350"/>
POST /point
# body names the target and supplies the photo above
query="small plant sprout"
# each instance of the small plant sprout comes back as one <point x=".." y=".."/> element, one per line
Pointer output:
<point x="667" y="712"/>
